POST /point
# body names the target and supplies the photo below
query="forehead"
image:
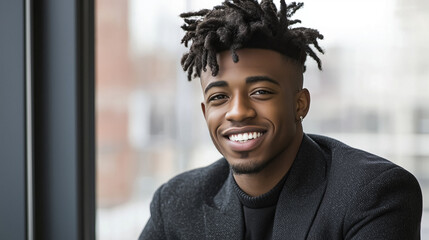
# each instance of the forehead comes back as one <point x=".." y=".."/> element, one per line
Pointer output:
<point x="254" y="62"/>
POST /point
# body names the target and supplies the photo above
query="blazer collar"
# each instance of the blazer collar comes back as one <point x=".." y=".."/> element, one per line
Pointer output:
<point x="296" y="208"/>
<point x="223" y="218"/>
<point x="303" y="192"/>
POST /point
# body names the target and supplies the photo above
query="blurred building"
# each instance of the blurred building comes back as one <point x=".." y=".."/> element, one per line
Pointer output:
<point x="372" y="94"/>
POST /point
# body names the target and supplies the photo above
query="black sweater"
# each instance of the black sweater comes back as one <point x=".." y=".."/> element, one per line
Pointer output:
<point x="259" y="211"/>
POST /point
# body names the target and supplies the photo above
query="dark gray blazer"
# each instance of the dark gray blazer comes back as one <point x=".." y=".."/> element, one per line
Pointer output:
<point x="332" y="192"/>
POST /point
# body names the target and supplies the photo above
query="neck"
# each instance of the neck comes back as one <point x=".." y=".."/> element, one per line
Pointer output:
<point x="256" y="184"/>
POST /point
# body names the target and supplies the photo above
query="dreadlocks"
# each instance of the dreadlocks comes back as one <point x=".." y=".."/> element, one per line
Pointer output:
<point x="245" y="23"/>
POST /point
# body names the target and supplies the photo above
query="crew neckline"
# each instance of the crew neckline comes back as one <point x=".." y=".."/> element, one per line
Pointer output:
<point x="267" y="199"/>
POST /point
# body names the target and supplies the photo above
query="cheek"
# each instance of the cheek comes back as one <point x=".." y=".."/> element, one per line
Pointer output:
<point x="214" y="119"/>
<point x="280" y="110"/>
<point x="280" y="115"/>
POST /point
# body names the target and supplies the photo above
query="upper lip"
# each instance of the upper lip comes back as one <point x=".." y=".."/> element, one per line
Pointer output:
<point x="237" y="130"/>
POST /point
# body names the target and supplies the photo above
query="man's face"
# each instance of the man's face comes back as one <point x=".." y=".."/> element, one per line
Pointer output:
<point x="251" y="108"/>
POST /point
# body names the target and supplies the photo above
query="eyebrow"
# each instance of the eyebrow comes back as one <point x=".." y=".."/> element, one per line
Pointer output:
<point x="255" y="79"/>
<point x="215" y="84"/>
<point x="249" y="80"/>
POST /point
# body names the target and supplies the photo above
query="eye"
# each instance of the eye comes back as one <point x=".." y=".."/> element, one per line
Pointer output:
<point x="261" y="92"/>
<point x="217" y="97"/>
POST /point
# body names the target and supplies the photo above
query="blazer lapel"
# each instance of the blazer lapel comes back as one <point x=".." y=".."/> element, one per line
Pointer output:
<point x="223" y="217"/>
<point x="302" y="193"/>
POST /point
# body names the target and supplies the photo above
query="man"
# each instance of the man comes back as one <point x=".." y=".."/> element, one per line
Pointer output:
<point x="274" y="182"/>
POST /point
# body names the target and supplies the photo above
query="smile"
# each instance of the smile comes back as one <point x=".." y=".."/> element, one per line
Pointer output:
<point x="244" y="137"/>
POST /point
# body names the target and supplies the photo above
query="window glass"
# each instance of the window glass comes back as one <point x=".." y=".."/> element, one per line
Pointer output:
<point x="372" y="94"/>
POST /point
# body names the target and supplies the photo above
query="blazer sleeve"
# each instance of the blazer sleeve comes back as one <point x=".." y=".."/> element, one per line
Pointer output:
<point x="154" y="229"/>
<point x="388" y="207"/>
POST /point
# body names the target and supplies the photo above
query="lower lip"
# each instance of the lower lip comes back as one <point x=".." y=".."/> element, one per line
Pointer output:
<point x="249" y="145"/>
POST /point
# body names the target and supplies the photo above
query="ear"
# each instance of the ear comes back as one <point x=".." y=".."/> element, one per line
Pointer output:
<point x="302" y="103"/>
<point x="203" y="108"/>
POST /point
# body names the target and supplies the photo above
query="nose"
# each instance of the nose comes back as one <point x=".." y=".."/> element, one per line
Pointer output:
<point x="240" y="109"/>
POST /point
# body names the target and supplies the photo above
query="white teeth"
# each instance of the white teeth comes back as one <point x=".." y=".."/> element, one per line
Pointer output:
<point x="244" y="137"/>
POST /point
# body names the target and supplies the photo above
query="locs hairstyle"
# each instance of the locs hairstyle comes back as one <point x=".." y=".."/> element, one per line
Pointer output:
<point x="245" y="24"/>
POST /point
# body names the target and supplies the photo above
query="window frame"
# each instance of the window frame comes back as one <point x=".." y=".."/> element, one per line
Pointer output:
<point x="47" y="171"/>
<point x="13" y="121"/>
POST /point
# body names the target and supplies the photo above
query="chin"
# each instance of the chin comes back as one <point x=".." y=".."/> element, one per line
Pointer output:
<point x="248" y="167"/>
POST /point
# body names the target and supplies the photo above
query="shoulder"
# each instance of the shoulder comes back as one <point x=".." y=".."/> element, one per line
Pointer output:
<point x="355" y="163"/>
<point x="369" y="192"/>
<point x="192" y="187"/>
<point x="177" y="205"/>
<point x="352" y="171"/>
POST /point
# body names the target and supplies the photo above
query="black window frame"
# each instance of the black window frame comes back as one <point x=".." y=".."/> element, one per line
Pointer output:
<point x="13" y="208"/>
<point x="47" y="148"/>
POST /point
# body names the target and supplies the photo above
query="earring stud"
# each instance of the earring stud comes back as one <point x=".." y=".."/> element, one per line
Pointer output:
<point x="301" y="118"/>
